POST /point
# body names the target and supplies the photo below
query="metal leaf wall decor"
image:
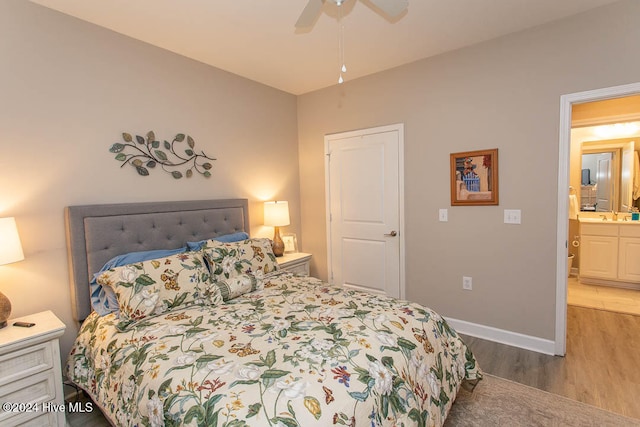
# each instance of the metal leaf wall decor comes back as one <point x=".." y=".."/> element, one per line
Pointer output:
<point x="146" y="153"/>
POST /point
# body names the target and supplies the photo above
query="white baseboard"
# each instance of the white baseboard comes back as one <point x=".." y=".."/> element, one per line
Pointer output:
<point x="501" y="336"/>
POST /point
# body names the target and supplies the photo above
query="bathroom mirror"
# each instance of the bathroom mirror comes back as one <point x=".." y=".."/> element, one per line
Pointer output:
<point x="607" y="175"/>
<point x="599" y="127"/>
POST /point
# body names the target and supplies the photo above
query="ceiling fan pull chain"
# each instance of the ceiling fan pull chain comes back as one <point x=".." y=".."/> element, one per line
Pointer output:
<point x="343" y="67"/>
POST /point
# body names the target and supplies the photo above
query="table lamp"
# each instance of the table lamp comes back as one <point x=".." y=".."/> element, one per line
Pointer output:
<point x="276" y="214"/>
<point x="10" y="251"/>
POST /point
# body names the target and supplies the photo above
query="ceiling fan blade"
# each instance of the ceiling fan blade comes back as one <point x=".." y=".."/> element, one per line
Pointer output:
<point x="310" y="14"/>
<point x="391" y="8"/>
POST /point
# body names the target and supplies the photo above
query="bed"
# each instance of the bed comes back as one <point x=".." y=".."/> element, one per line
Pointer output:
<point x="216" y="335"/>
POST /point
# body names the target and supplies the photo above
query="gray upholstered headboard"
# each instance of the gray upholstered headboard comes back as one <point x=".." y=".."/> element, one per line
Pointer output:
<point x="97" y="233"/>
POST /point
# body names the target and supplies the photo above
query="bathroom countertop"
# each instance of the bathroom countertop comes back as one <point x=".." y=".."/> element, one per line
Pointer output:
<point x="619" y="221"/>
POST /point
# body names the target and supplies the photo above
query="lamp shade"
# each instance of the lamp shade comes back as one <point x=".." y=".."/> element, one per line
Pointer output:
<point x="276" y="214"/>
<point x="10" y="247"/>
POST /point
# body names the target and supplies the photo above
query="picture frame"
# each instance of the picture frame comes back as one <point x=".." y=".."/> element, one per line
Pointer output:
<point x="474" y="178"/>
<point x="290" y="243"/>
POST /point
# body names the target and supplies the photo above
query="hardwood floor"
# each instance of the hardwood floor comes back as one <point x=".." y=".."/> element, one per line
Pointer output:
<point x="600" y="367"/>
<point x="88" y="419"/>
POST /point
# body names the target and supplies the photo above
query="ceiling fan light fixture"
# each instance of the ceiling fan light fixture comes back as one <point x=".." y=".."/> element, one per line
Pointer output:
<point x="313" y="10"/>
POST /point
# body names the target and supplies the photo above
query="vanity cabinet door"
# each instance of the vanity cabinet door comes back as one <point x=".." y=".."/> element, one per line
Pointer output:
<point x="629" y="259"/>
<point x="599" y="257"/>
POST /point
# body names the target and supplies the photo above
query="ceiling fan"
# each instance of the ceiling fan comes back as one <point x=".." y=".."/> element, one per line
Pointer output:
<point x="313" y="9"/>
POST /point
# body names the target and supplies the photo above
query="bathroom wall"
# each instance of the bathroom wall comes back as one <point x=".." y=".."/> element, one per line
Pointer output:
<point x="589" y="113"/>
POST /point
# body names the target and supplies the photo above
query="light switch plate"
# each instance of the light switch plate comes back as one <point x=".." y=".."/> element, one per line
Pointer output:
<point x="443" y="215"/>
<point x="512" y="216"/>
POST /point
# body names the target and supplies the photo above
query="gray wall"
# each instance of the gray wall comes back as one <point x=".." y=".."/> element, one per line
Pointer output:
<point x="68" y="90"/>
<point x="502" y="94"/>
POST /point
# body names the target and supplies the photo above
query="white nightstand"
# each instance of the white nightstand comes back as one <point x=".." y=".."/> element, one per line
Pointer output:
<point x="30" y="372"/>
<point x="297" y="263"/>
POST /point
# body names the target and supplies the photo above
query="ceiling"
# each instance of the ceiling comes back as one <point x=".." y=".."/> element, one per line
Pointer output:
<point x="256" y="39"/>
<point x="607" y="132"/>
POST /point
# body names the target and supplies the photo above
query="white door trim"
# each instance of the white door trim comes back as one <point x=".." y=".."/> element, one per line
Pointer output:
<point x="566" y="102"/>
<point x="399" y="127"/>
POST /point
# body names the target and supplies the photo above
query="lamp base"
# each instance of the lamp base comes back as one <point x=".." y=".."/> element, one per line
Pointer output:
<point x="5" y="309"/>
<point x="278" y="244"/>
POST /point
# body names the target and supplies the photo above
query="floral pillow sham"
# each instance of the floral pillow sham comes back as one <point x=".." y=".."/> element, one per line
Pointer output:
<point x="156" y="286"/>
<point x="251" y="256"/>
<point x="103" y="300"/>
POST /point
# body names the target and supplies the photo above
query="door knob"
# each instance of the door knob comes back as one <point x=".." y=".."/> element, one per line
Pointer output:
<point x="393" y="233"/>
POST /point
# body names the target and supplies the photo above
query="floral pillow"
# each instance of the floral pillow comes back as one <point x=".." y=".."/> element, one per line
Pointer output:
<point x="156" y="286"/>
<point x="251" y="256"/>
<point x="236" y="286"/>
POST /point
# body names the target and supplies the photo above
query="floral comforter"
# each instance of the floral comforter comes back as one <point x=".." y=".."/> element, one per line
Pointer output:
<point x="296" y="353"/>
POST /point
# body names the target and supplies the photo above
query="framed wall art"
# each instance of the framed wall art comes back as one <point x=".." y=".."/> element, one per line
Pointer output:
<point x="474" y="178"/>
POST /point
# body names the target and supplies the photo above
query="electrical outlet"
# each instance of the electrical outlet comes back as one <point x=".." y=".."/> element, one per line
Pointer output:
<point x="467" y="283"/>
<point x="443" y="215"/>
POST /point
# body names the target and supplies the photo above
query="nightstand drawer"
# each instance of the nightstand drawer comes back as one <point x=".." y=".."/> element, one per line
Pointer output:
<point x="297" y="263"/>
<point x="35" y="389"/>
<point x="26" y="362"/>
<point x="300" y="269"/>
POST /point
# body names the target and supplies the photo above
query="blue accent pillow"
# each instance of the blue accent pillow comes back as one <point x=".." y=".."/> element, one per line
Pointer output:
<point x="103" y="299"/>
<point x="226" y="238"/>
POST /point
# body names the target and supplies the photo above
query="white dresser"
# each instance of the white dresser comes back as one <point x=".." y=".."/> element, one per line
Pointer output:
<point x="297" y="263"/>
<point x="30" y="372"/>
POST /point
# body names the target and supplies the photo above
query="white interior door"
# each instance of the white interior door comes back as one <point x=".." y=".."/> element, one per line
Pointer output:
<point x="364" y="209"/>
<point x="603" y="178"/>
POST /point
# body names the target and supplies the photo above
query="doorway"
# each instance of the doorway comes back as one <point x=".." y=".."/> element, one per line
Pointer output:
<point x="365" y="215"/>
<point x="566" y="104"/>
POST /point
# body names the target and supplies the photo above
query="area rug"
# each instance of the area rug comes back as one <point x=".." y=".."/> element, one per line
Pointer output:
<point x="499" y="402"/>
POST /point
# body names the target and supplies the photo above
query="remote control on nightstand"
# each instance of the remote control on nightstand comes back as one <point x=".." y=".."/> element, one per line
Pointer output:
<point x="24" y="324"/>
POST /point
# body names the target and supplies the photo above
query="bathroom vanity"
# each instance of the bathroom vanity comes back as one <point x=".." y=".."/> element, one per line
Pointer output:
<point x="610" y="252"/>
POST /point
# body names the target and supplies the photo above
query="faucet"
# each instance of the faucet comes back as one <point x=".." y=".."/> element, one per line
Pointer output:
<point x="614" y="216"/>
<point x="604" y="217"/>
